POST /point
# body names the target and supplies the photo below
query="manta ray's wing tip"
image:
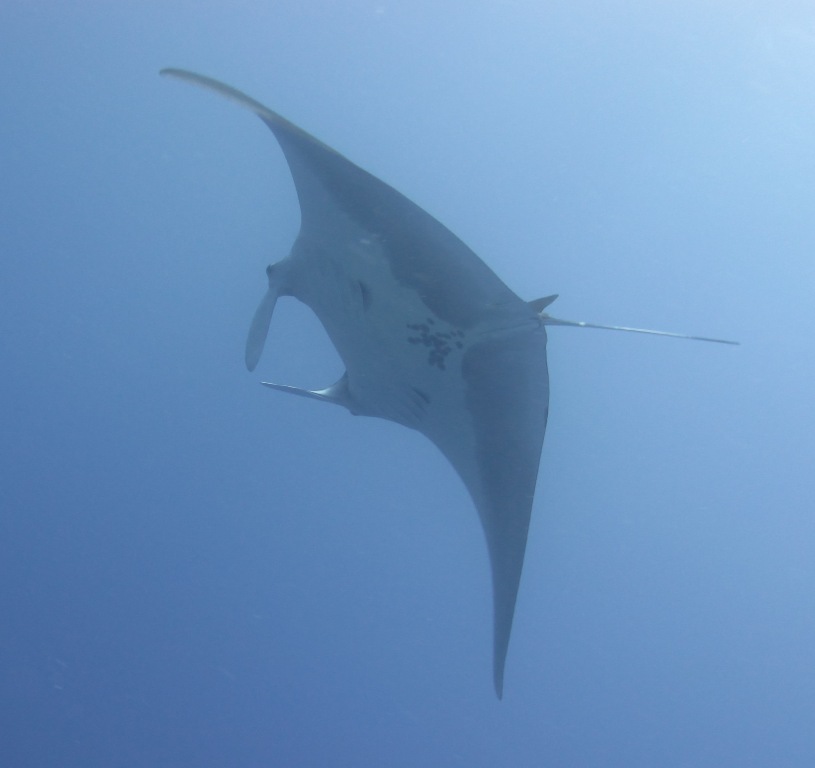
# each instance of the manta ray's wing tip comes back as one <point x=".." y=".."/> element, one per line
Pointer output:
<point x="172" y="72"/>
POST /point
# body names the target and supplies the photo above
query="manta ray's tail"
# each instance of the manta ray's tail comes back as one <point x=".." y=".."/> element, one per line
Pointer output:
<point x="549" y="320"/>
<point x="539" y="305"/>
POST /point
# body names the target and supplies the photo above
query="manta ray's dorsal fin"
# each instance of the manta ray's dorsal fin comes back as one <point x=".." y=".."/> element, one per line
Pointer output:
<point x="540" y="304"/>
<point x="547" y="319"/>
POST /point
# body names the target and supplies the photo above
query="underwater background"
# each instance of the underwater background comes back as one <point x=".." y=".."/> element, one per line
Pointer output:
<point x="196" y="571"/>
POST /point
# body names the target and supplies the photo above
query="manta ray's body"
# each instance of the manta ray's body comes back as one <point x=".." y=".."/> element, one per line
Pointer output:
<point x="430" y="337"/>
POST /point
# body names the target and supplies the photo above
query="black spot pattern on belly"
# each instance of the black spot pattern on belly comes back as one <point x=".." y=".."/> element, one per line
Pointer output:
<point x="439" y="343"/>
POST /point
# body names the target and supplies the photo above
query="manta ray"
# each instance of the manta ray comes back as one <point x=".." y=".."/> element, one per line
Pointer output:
<point x="430" y="337"/>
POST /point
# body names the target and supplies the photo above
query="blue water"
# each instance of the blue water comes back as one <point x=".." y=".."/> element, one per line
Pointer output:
<point x="196" y="571"/>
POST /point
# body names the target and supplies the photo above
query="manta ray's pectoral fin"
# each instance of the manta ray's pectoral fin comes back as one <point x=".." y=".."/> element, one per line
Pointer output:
<point x="259" y="329"/>
<point x="337" y="393"/>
